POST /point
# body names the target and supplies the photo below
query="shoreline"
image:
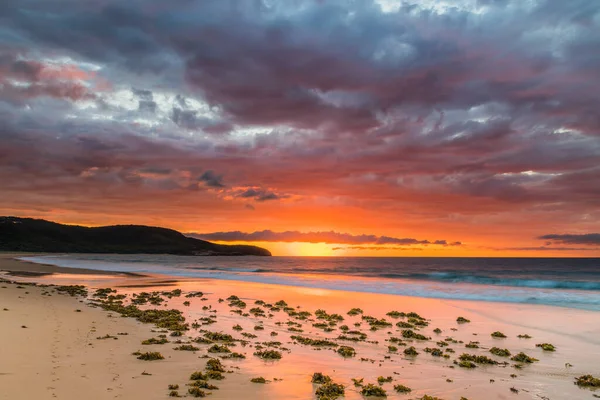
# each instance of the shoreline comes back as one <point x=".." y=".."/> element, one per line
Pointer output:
<point x="425" y="374"/>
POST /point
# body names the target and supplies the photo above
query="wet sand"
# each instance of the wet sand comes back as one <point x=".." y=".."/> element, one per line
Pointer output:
<point x="59" y="350"/>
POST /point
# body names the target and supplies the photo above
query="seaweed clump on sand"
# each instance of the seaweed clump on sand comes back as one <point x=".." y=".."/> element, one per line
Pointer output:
<point x="477" y="359"/>
<point x="186" y="347"/>
<point x="462" y="320"/>
<point x="402" y="389"/>
<point x="149" y="356"/>
<point x="498" y="334"/>
<point x="217" y="348"/>
<point x="523" y="358"/>
<point x="313" y="342"/>
<point x="196" y="392"/>
<point x="346" y="351"/>
<point x="215" y="365"/>
<point x="382" y="379"/>
<point x="218" y="337"/>
<point x="466" y="364"/>
<point x="72" y="290"/>
<point x="329" y="391"/>
<point x="320" y="378"/>
<point x="500" y="352"/>
<point x="268" y="354"/>
<point x="524" y="336"/>
<point x="411" y="351"/>
<point x="410" y="334"/>
<point x="161" y="340"/>
<point x="355" y="311"/>
<point x="546" y="346"/>
<point x="472" y="345"/>
<point x="260" y="379"/>
<point x="373" y="390"/>
<point x="587" y="381"/>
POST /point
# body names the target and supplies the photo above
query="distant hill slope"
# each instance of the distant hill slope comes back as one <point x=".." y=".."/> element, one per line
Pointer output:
<point x="38" y="235"/>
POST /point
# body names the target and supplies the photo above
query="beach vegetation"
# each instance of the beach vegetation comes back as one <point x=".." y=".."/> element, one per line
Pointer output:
<point x="411" y="351"/>
<point x="500" y="352"/>
<point x="355" y="311"/>
<point x="546" y="346"/>
<point x="329" y="391"/>
<point x="382" y="379"/>
<point x="155" y="341"/>
<point x="358" y="382"/>
<point x="462" y="320"/>
<point x="392" y="349"/>
<point x="410" y="334"/>
<point x="437" y="330"/>
<point x="477" y="359"/>
<point x="498" y="334"/>
<point x="259" y="379"/>
<point x="472" y="345"/>
<point x="402" y="389"/>
<point x="373" y="390"/>
<point x="466" y="364"/>
<point x="215" y="365"/>
<point x="268" y="354"/>
<point x="313" y="342"/>
<point x="217" y="348"/>
<point x="346" y="351"/>
<point x="196" y="392"/>
<point x="150" y="356"/>
<point x="174" y="393"/>
<point x="524" y="336"/>
<point x="587" y="381"/>
<point x="320" y="378"/>
<point x="434" y="351"/>
<point x="523" y="358"/>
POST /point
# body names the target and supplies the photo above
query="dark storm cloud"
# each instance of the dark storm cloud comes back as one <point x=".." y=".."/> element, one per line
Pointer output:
<point x="310" y="237"/>
<point x="586" y="239"/>
<point x="211" y="179"/>
<point x="259" y="194"/>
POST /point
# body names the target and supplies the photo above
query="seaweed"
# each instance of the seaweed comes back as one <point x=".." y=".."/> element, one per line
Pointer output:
<point x="524" y="336"/>
<point x="382" y="379"/>
<point x="329" y="391"/>
<point x="546" y="346"/>
<point x="373" y="390"/>
<point x="411" y="351"/>
<point x="196" y="392"/>
<point x="392" y="349"/>
<point x="523" y="358"/>
<point x="155" y="341"/>
<point x="346" y="351"/>
<point x="477" y="359"/>
<point x="402" y="389"/>
<point x="268" y="354"/>
<point x="174" y="393"/>
<point x="462" y="320"/>
<point x="320" y="378"/>
<point x="437" y="330"/>
<point x="217" y="348"/>
<point x="587" y="381"/>
<point x="260" y="379"/>
<point x="313" y="342"/>
<point x="410" y="334"/>
<point x="150" y="356"/>
<point x="186" y="347"/>
<point x="466" y="364"/>
<point x="500" y="352"/>
<point x="214" y="364"/>
<point x="355" y="311"/>
<point x="237" y="327"/>
<point x="358" y="382"/>
<point x="498" y="334"/>
<point x="218" y="336"/>
<point x="434" y="351"/>
<point x="472" y="345"/>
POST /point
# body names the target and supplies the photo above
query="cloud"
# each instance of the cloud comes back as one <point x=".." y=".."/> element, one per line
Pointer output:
<point x="211" y="179"/>
<point x="591" y="239"/>
<point x="547" y="248"/>
<point x="258" y="194"/>
<point x="310" y="237"/>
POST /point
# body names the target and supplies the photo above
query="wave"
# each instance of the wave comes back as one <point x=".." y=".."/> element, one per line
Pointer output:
<point x="500" y="281"/>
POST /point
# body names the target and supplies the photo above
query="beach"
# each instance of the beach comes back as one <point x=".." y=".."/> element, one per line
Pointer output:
<point x="68" y="354"/>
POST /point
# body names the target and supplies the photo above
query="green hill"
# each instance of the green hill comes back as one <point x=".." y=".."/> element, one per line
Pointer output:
<point x="38" y="235"/>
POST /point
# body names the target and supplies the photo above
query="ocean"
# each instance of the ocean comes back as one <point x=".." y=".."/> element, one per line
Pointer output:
<point x="564" y="282"/>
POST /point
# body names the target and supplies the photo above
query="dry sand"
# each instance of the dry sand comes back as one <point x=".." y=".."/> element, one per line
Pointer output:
<point x="59" y="356"/>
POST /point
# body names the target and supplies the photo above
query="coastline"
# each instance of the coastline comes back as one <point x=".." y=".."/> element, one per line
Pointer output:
<point x="69" y="333"/>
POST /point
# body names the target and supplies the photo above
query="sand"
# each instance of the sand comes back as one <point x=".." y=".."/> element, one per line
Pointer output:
<point x="59" y="356"/>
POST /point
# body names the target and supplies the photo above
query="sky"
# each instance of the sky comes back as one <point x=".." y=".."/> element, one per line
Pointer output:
<point x="309" y="127"/>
